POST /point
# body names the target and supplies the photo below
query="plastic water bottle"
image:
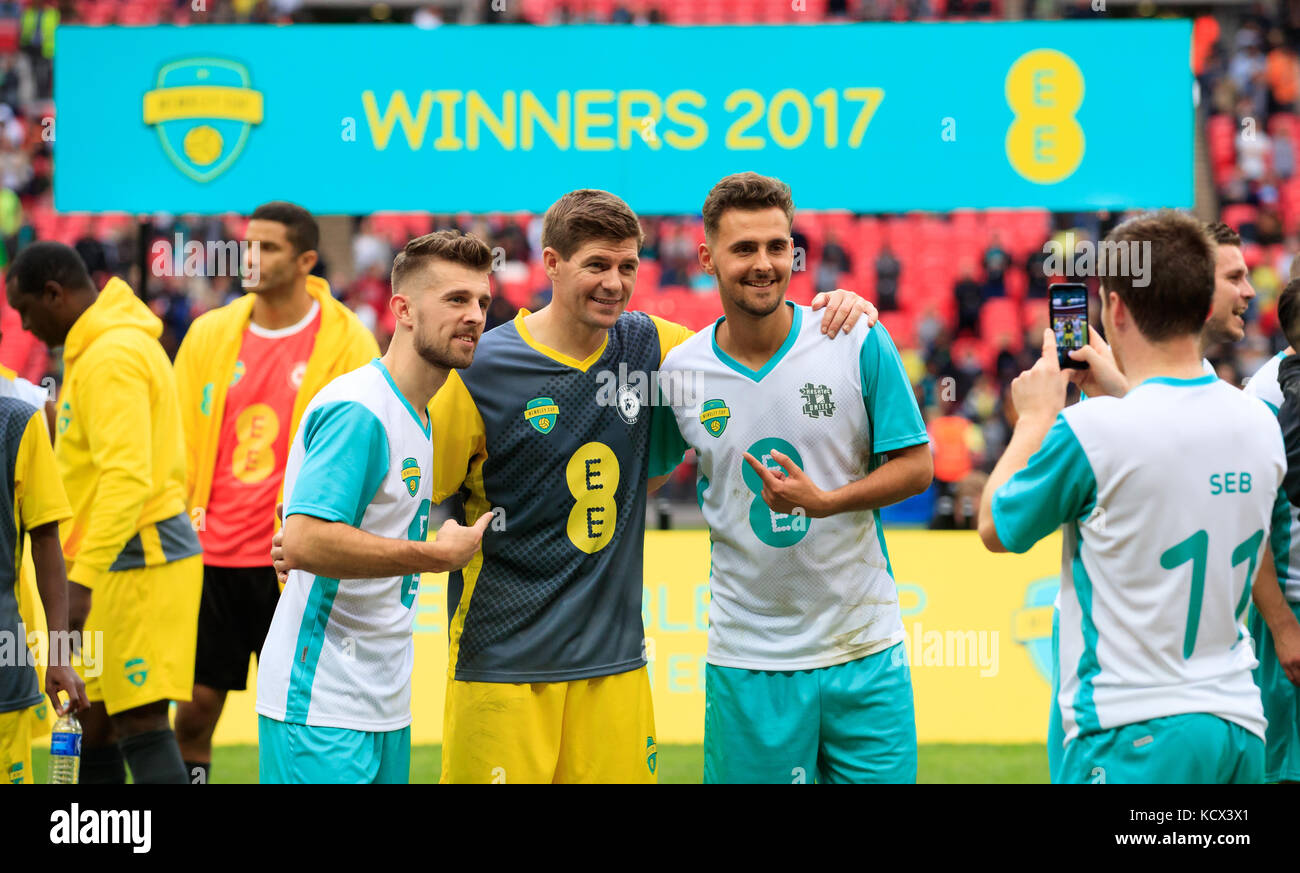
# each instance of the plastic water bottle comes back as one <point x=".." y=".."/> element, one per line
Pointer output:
<point x="65" y="751"/>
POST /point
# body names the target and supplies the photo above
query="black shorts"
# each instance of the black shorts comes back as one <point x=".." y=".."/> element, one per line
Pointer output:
<point x="234" y="617"/>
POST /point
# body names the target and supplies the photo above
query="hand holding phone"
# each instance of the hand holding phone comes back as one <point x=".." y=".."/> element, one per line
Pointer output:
<point x="1067" y="311"/>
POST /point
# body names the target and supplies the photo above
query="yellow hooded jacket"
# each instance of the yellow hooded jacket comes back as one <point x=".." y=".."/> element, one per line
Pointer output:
<point x="119" y="442"/>
<point x="205" y="364"/>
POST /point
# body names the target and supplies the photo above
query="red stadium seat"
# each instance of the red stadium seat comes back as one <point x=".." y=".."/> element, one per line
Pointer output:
<point x="1237" y="214"/>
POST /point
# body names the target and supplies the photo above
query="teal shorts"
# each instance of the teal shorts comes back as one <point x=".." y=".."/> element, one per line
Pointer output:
<point x="853" y="722"/>
<point x="1055" y="727"/>
<point x="1281" y="706"/>
<point x="300" y="754"/>
<point x="1189" y="749"/>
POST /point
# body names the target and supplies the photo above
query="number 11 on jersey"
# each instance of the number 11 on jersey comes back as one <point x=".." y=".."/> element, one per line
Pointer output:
<point x="1196" y="549"/>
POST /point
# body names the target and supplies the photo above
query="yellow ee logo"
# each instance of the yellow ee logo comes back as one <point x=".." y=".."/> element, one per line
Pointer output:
<point x="592" y="474"/>
<point x="203" y="109"/>
<point x="1045" y="142"/>
<point x="254" y="457"/>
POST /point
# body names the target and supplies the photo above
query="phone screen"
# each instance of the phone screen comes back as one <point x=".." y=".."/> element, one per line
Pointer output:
<point x="1068" y="309"/>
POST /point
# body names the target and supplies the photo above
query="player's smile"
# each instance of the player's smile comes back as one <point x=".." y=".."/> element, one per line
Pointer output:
<point x="603" y="300"/>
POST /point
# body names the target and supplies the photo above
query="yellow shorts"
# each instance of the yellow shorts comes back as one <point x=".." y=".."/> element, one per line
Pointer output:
<point x="587" y="730"/>
<point x="16" y="747"/>
<point x="149" y="618"/>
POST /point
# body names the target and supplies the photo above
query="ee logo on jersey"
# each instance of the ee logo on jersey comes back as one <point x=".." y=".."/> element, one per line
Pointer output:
<point x="776" y="529"/>
<point x="592" y="474"/>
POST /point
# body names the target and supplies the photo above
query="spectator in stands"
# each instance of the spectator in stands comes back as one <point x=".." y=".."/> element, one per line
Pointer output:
<point x="427" y="18"/>
<point x="967" y="368"/>
<point x="369" y="249"/>
<point x="500" y="311"/>
<point x="1036" y="274"/>
<point x="1283" y="155"/>
<point x="995" y="267"/>
<point x="957" y="445"/>
<point x="1283" y="256"/>
<point x="1254" y="146"/>
<point x="1246" y="71"/>
<point x="677" y="258"/>
<point x="801" y="248"/>
<point x="93" y="253"/>
<point x="888" y="270"/>
<point x="36" y="37"/>
<point x="1235" y="191"/>
<point x="10" y="81"/>
<point x="835" y="261"/>
<point x="1268" y="227"/>
<point x="649" y="245"/>
<point x="1282" y="72"/>
<point x="970" y="297"/>
<point x="11" y="221"/>
<point x="930" y="330"/>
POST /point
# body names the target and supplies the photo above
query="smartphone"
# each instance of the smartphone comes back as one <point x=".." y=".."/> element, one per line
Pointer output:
<point x="1067" y="304"/>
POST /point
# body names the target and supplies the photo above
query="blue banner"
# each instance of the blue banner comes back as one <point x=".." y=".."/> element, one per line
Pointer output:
<point x="871" y="117"/>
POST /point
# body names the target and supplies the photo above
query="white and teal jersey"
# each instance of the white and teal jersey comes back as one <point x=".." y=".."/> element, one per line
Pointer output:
<point x="791" y="592"/>
<point x="339" y="652"/>
<point x="1264" y="384"/>
<point x="1166" y="496"/>
<point x="1284" y="540"/>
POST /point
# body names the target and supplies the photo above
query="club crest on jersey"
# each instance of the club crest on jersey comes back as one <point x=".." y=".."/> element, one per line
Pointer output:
<point x="136" y="671"/>
<point x="817" y="400"/>
<point x="541" y="413"/>
<point x="651" y="753"/>
<point x="203" y="109"/>
<point x="714" y="415"/>
<point x="628" y="403"/>
<point x="411" y="475"/>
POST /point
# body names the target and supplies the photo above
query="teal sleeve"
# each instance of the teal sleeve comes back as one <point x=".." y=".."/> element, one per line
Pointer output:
<point x="345" y="460"/>
<point x="667" y="446"/>
<point x="1279" y="539"/>
<point x="887" y="392"/>
<point x="1055" y="487"/>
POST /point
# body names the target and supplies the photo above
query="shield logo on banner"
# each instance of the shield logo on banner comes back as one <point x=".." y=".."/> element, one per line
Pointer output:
<point x="1032" y="624"/>
<point x="714" y="415"/>
<point x="541" y="413"/>
<point x="203" y="109"/>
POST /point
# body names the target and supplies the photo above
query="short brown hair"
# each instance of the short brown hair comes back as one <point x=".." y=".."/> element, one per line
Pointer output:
<point x="585" y="215"/>
<point x="443" y="245"/>
<point x="1180" y="272"/>
<point x="748" y="191"/>
<point x="1288" y="312"/>
<point x="1222" y="234"/>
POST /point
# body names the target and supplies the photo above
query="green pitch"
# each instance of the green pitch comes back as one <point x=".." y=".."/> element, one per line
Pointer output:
<point x="939" y="763"/>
